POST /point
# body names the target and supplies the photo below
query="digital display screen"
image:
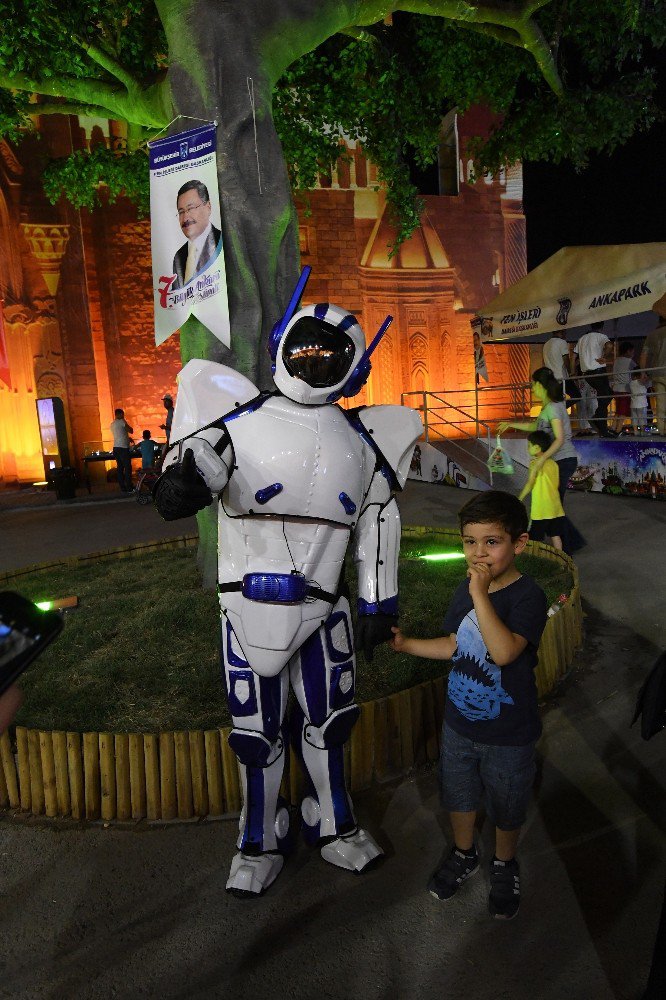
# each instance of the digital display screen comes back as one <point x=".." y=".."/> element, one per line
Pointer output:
<point x="14" y="642"/>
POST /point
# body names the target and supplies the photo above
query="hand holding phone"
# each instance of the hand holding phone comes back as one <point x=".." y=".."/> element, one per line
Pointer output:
<point x="25" y="631"/>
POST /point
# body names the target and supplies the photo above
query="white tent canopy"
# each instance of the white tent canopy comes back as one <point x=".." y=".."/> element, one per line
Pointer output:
<point x="578" y="286"/>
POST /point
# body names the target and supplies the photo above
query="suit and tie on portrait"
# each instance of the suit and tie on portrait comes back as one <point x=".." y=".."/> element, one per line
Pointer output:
<point x="194" y="209"/>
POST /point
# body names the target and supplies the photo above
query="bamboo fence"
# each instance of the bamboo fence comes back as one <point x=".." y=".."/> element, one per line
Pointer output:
<point x="126" y="777"/>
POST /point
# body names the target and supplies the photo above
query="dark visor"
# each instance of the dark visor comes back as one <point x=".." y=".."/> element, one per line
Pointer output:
<point x="317" y="352"/>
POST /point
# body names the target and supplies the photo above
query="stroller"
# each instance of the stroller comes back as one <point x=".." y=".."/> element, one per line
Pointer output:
<point x="143" y="490"/>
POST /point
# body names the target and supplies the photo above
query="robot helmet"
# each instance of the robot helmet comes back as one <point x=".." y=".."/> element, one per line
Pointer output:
<point x="318" y="353"/>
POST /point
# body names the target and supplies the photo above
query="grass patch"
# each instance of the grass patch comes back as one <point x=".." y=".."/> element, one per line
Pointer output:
<point x="141" y="652"/>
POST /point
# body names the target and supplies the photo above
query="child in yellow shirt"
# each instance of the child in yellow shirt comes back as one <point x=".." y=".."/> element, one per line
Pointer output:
<point x="547" y="512"/>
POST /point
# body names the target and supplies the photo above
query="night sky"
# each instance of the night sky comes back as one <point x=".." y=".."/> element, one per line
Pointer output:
<point x="617" y="199"/>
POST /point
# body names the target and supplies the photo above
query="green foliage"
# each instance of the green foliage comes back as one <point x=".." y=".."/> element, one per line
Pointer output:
<point x="82" y="176"/>
<point x="388" y="89"/>
<point x="47" y="38"/>
<point x="392" y="92"/>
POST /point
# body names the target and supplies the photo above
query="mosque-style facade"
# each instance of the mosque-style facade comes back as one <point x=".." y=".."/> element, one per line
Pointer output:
<point x="76" y="316"/>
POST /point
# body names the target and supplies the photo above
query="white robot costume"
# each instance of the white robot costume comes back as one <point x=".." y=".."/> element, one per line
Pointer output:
<point x="296" y="477"/>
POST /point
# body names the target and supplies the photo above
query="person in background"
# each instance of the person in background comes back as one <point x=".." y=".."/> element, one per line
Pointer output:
<point x="547" y="513"/>
<point x="554" y="420"/>
<point x="167" y="399"/>
<point x="149" y="450"/>
<point x="654" y="359"/>
<point x="556" y="357"/>
<point x="594" y="353"/>
<point x="121" y="431"/>
<point x="491" y="632"/>
<point x="639" y="402"/>
<point x="623" y="366"/>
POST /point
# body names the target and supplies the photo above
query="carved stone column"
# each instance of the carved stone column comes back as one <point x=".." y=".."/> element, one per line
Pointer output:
<point x="47" y="244"/>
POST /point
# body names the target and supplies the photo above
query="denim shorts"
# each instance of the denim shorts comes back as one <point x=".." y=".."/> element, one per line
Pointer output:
<point x="502" y="776"/>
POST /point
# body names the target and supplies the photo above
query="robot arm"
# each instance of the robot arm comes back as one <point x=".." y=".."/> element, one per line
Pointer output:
<point x="195" y="469"/>
<point x="376" y="549"/>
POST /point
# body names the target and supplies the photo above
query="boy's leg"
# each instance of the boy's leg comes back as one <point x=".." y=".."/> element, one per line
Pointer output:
<point x="506" y="842"/>
<point x="508" y="774"/>
<point x="557" y="542"/>
<point x="461" y="793"/>
<point x="462" y="824"/>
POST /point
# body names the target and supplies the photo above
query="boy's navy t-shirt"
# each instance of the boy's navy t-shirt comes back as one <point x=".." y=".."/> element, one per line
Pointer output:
<point x="487" y="703"/>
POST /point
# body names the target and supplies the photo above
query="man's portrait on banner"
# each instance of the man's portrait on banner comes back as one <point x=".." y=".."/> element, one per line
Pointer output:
<point x="202" y="237"/>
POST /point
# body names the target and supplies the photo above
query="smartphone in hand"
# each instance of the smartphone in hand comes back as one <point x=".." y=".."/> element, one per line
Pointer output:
<point x="25" y="631"/>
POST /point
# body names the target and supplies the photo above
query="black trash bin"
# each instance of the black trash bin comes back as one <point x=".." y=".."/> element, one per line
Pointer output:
<point x="64" y="482"/>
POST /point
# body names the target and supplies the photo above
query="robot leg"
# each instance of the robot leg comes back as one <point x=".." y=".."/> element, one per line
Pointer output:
<point x="323" y="678"/>
<point x="257" y="705"/>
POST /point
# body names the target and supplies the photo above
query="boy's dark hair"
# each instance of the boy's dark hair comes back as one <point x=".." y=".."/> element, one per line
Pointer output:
<point x="541" y="439"/>
<point x="625" y="346"/>
<point x="496" y="507"/>
<point x="120" y="413"/>
<point x="146" y="435"/>
<point x="599" y="325"/>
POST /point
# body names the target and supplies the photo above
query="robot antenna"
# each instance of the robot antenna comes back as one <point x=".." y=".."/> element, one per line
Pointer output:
<point x="281" y="325"/>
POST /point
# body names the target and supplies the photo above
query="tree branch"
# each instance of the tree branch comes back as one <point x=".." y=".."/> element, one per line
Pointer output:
<point x="107" y="62"/>
<point x="69" y="108"/>
<point x="504" y="21"/>
<point x="142" y="106"/>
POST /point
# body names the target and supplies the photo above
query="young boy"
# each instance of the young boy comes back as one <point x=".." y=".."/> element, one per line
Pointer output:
<point x="149" y="450"/>
<point x="491" y="631"/>
<point x="548" y="516"/>
<point x="639" y="402"/>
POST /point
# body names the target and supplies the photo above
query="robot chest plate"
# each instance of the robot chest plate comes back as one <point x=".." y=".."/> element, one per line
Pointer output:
<point x="300" y="461"/>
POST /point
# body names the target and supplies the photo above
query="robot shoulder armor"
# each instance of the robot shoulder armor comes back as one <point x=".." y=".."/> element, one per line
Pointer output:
<point x="395" y="430"/>
<point x="206" y="392"/>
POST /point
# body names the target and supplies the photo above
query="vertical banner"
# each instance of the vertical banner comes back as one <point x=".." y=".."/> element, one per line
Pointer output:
<point x="189" y="277"/>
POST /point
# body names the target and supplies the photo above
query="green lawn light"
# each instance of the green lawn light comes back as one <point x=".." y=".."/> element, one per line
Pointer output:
<point x="442" y="556"/>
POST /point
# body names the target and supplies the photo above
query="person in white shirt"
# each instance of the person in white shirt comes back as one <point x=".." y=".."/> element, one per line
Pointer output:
<point x="594" y="352"/>
<point x="556" y="357"/>
<point x="638" y="402"/>
<point x="121" y="431"/>
<point x="623" y="366"/>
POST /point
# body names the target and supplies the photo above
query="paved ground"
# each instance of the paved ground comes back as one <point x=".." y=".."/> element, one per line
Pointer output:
<point x="93" y="912"/>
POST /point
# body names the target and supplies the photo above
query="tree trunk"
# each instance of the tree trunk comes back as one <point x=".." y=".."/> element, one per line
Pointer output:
<point x="224" y="59"/>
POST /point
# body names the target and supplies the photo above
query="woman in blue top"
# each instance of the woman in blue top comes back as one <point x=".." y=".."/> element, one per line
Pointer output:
<point x="554" y="420"/>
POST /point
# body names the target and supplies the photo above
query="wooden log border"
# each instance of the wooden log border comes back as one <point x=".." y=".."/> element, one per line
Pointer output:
<point x="176" y="776"/>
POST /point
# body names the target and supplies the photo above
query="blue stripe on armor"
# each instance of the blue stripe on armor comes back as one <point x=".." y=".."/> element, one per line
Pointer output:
<point x="242" y="683"/>
<point x="387" y="607"/>
<point x="253" y="834"/>
<point x="344" y="819"/>
<point x="270" y="689"/>
<point x="347" y="322"/>
<point x="232" y="658"/>
<point x="313" y="672"/>
<point x="340" y="698"/>
<point x="254" y="404"/>
<point x="338" y="655"/>
<point x="320" y="310"/>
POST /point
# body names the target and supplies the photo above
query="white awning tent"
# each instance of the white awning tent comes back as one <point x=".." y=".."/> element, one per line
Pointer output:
<point x="578" y="286"/>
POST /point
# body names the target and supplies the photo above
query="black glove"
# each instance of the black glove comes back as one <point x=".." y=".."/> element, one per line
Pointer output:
<point x="181" y="491"/>
<point x="371" y="630"/>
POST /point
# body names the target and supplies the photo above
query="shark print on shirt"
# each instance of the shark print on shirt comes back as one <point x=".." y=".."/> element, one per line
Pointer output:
<point x="475" y="682"/>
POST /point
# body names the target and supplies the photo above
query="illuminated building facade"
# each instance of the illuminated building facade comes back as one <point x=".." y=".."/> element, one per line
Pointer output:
<point x="77" y="298"/>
